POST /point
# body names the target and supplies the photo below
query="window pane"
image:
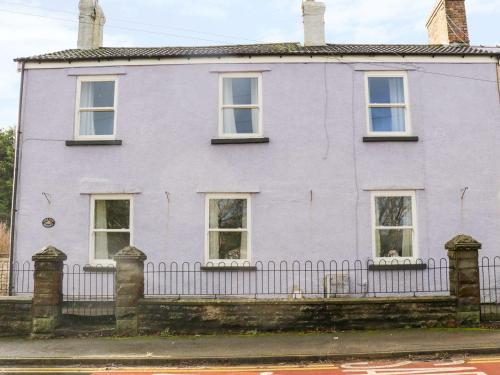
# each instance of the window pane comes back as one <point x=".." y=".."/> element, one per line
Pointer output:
<point x="228" y="245"/>
<point x="97" y="123"/>
<point x="240" y="90"/>
<point x="112" y="214"/>
<point x="240" y="121"/>
<point x="386" y="90"/>
<point x="394" y="242"/>
<point x="388" y="119"/>
<point x="393" y="211"/>
<point x="228" y="213"/>
<point x="97" y="94"/>
<point x="108" y="244"/>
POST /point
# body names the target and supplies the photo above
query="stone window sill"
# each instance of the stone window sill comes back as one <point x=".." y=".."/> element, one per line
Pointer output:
<point x="397" y="267"/>
<point x="228" y="268"/>
<point x="99" y="269"/>
<point x="238" y="141"/>
<point x="405" y="138"/>
<point x="108" y="142"/>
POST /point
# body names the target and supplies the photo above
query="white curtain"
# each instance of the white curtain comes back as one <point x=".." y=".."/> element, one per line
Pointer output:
<point x="213" y="239"/>
<point x="255" y="100"/>
<point x="378" y="245"/>
<point x="101" y="238"/>
<point x="87" y="126"/>
<point x="396" y="90"/>
<point x="243" y="248"/>
<point x="255" y="90"/>
<point x="228" y="114"/>
<point x="407" y="243"/>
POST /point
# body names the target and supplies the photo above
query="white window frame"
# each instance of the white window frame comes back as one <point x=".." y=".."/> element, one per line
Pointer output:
<point x="248" y="230"/>
<point x="78" y="110"/>
<point x="405" y="105"/>
<point x="222" y="106"/>
<point x="93" y="230"/>
<point x="395" y="193"/>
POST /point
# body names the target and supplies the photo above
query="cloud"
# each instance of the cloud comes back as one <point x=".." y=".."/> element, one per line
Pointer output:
<point x="278" y="35"/>
<point x="194" y="8"/>
<point x="483" y="6"/>
<point x="24" y="34"/>
<point x="381" y="21"/>
<point x="391" y="21"/>
<point x="21" y="35"/>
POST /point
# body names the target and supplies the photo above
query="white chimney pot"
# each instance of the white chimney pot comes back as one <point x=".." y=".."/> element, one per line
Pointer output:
<point x="313" y="13"/>
<point x="91" y="24"/>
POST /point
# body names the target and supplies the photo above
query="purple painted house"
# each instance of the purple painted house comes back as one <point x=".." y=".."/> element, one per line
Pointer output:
<point x="260" y="152"/>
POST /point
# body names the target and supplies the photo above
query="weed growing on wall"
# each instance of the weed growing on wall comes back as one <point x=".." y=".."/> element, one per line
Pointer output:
<point x="4" y="240"/>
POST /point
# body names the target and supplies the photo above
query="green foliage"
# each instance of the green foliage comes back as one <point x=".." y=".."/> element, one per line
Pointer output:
<point x="6" y="172"/>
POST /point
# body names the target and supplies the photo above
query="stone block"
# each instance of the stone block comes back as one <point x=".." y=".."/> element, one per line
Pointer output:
<point x="125" y="312"/>
<point x="126" y="300"/>
<point x="44" y="325"/>
<point x="468" y="291"/>
<point x="46" y="299"/>
<point x="469" y="318"/>
<point x="127" y="327"/>
<point x="130" y="288"/>
<point x="43" y="311"/>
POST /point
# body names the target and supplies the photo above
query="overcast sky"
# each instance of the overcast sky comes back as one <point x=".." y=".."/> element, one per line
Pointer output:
<point x="29" y="27"/>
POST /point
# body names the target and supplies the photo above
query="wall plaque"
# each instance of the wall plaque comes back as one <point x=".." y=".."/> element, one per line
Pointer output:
<point x="48" y="222"/>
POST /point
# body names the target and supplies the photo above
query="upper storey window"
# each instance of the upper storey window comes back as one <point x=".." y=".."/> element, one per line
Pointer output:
<point x="388" y="109"/>
<point x="96" y="108"/>
<point x="240" y="105"/>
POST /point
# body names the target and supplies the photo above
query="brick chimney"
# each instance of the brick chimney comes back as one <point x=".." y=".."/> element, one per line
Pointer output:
<point x="447" y="23"/>
<point x="91" y="24"/>
<point x="313" y="13"/>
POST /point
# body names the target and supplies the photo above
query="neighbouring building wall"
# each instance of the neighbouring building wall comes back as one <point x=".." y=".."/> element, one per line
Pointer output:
<point x="447" y="23"/>
<point x="311" y="185"/>
<point x="498" y="78"/>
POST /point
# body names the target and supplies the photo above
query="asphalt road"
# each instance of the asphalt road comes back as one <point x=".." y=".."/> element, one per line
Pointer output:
<point x="472" y="366"/>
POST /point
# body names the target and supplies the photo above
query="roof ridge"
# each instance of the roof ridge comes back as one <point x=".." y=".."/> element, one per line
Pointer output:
<point x="264" y="49"/>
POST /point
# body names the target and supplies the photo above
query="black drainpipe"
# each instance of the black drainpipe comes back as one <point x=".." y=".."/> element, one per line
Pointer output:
<point x="16" y="180"/>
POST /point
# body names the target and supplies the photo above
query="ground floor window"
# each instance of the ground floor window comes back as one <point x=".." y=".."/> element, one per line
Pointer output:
<point x="111" y="226"/>
<point x="394" y="224"/>
<point x="227" y="228"/>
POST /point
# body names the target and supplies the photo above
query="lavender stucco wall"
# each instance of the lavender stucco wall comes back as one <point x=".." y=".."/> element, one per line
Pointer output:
<point x="168" y="114"/>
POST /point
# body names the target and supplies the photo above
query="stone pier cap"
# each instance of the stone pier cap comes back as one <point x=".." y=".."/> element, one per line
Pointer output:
<point x="50" y="254"/>
<point x="130" y="252"/>
<point x="463" y="242"/>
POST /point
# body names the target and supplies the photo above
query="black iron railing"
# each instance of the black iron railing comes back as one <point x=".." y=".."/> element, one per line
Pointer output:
<point x="88" y="290"/>
<point x="20" y="276"/>
<point x="298" y="279"/>
<point x="489" y="274"/>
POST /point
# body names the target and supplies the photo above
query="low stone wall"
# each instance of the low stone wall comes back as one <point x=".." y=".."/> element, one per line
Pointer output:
<point x="15" y="316"/>
<point x="4" y="275"/>
<point x="215" y="316"/>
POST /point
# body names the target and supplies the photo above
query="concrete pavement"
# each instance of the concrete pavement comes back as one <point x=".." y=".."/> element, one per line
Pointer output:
<point x="248" y="349"/>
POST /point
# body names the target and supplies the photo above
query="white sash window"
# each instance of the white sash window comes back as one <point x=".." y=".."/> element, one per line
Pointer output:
<point x="394" y="224"/>
<point x="96" y="108"/>
<point x="240" y="105"/>
<point x="110" y="226"/>
<point x="227" y="228"/>
<point x="388" y="106"/>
